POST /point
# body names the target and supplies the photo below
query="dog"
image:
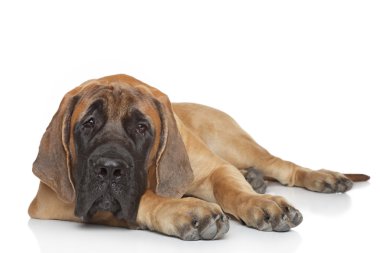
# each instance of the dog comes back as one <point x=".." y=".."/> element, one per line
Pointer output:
<point x="118" y="152"/>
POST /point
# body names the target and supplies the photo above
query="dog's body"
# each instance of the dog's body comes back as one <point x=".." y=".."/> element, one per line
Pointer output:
<point x="118" y="153"/>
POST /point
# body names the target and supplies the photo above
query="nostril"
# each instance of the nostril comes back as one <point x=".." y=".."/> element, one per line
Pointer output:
<point x="117" y="173"/>
<point x="101" y="172"/>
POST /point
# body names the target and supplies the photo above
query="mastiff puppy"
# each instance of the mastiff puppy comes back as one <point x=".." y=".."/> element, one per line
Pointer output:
<point x="118" y="153"/>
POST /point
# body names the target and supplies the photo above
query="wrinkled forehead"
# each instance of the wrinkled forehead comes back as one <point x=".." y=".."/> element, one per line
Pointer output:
<point x="116" y="99"/>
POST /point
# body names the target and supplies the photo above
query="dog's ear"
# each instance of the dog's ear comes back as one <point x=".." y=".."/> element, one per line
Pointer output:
<point x="173" y="170"/>
<point x="52" y="164"/>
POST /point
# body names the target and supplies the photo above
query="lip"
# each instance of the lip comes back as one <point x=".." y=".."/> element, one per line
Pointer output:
<point x="105" y="203"/>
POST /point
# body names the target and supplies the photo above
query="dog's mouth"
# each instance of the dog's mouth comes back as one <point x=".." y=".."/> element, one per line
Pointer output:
<point x="105" y="203"/>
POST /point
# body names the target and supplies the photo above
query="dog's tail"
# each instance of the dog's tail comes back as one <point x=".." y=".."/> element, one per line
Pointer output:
<point x="358" y="177"/>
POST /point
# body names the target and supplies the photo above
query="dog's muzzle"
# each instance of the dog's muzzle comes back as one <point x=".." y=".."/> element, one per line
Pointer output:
<point x="109" y="182"/>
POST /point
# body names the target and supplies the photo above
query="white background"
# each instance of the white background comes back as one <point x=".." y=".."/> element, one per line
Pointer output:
<point x="302" y="77"/>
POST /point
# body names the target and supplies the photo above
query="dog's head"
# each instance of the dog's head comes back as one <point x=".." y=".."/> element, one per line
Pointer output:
<point x="111" y="140"/>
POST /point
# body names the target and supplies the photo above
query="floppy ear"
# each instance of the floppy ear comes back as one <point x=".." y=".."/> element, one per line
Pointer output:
<point x="173" y="171"/>
<point x="52" y="164"/>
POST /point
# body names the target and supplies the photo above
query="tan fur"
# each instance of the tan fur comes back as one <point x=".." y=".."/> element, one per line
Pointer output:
<point x="217" y="149"/>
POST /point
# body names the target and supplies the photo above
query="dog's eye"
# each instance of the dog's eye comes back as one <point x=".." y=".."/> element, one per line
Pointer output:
<point x="141" y="129"/>
<point x="90" y="123"/>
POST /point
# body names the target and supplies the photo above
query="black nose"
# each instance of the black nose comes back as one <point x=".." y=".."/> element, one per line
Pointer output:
<point x="110" y="168"/>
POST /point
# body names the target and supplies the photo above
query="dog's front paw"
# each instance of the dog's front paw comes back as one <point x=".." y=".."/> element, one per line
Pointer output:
<point x="326" y="181"/>
<point x="268" y="213"/>
<point x="202" y="224"/>
<point x="189" y="219"/>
